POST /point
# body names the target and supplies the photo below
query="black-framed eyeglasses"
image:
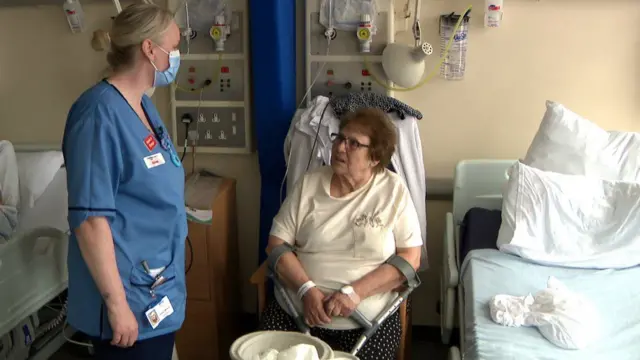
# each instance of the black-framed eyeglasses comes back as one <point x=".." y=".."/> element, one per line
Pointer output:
<point x="350" y="142"/>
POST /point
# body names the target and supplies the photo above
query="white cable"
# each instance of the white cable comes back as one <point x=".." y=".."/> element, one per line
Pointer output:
<point x="416" y="29"/>
<point x="118" y="6"/>
<point x="331" y="14"/>
<point x="313" y="82"/>
<point x="188" y="30"/>
<point x="64" y="335"/>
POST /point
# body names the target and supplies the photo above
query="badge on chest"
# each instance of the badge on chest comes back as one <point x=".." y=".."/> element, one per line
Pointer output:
<point x="150" y="142"/>
<point x="154" y="160"/>
<point x="159" y="312"/>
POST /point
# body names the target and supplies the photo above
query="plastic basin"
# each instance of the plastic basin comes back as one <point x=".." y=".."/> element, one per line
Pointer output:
<point x="250" y="345"/>
<point x="339" y="355"/>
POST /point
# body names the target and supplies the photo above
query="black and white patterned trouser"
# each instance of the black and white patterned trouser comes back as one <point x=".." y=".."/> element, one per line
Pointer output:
<point x="383" y="345"/>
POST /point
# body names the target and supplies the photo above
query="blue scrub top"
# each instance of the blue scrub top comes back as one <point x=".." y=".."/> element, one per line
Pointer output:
<point x="110" y="173"/>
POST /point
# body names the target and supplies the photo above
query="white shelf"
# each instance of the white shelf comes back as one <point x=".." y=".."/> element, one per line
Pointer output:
<point x="214" y="56"/>
<point x="189" y="103"/>
<point x="345" y="58"/>
<point x="214" y="150"/>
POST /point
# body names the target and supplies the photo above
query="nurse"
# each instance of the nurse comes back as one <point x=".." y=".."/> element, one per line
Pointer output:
<point x="126" y="197"/>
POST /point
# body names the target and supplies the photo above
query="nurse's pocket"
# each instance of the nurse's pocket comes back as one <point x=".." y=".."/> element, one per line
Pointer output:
<point x="369" y="242"/>
<point x="141" y="297"/>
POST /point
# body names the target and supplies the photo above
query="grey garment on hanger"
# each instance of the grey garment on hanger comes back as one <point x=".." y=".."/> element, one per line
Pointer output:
<point x="358" y="100"/>
<point x="8" y="222"/>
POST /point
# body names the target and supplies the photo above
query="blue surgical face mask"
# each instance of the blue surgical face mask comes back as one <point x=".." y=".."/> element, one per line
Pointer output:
<point x="164" y="78"/>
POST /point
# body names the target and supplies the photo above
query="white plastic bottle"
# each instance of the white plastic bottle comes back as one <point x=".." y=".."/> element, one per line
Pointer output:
<point x="493" y="13"/>
<point x="75" y="15"/>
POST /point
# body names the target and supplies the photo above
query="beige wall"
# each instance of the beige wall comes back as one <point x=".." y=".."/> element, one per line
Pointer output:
<point x="577" y="52"/>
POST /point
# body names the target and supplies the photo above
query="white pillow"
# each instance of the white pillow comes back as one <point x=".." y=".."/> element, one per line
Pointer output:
<point x="567" y="143"/>
<point x="570" y="220"/>
<point x="36" y="171"/>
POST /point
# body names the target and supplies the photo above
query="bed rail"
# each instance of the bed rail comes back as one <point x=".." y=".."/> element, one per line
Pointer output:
<point x="27" y="147"/>
<point x="477" y="183"/>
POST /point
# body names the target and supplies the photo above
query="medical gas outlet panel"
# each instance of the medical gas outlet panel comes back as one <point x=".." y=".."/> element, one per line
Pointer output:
<point x="210" y="97"/>
<point x="344" y="54"/>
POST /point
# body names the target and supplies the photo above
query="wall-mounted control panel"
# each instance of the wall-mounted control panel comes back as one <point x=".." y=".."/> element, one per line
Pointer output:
<point x="346" y="42"/>
<point x="201" y="41"/>
<point x="210" y="97"/>
<point x="340" y="78"/>
<point x="211" y="80"/>
<point x="352" y="60"/>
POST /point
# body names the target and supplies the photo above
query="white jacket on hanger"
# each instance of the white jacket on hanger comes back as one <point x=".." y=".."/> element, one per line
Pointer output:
<point x="308" y="146"/>
<point x="9" y="191"/>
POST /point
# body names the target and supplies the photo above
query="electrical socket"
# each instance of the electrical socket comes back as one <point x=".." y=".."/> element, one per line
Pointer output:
<point x="192" y="135"/>
<point x="186" y="119"/>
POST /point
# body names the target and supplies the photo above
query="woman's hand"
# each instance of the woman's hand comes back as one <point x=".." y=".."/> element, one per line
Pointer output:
<point x="314" y="313"/>
<point x="124" y="325"/>
<point x="339" y="304"/>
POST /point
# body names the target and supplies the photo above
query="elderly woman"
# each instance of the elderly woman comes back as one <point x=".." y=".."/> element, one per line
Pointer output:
<point x="345" y="221"/>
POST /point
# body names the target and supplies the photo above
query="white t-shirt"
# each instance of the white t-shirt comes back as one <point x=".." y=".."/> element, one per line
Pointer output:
<point x="340" y="240"/>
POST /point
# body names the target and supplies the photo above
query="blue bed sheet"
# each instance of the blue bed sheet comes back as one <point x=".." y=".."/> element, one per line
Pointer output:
<point x="488" y="272"/>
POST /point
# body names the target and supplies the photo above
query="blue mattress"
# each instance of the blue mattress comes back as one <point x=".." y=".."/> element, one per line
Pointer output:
<point x="488" y="272"/>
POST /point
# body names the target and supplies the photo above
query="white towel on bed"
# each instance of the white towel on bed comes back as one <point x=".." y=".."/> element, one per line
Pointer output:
<point x="566" y="319"/>
<point x="9" y="191"/>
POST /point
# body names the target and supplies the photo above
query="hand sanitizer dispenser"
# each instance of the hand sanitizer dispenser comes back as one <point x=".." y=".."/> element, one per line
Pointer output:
<point x="493" y="13"/>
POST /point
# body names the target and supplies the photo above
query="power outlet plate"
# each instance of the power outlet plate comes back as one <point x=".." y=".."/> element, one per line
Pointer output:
<point x="215" y="126"/>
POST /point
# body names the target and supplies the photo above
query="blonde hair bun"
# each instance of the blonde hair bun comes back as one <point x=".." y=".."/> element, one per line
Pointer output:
<point x="101" y="40"/>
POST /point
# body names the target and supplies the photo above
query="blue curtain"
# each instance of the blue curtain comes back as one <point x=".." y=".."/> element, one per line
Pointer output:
<point x="273" y="63"/>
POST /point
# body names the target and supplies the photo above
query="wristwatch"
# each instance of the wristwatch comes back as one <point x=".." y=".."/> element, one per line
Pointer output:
<point x="348" y="290"/>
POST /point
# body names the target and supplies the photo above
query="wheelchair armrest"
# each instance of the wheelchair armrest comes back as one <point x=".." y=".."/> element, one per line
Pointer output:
<point x="259" y="277"/>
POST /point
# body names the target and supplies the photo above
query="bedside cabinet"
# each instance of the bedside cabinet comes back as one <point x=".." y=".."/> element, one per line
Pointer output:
<point x="213" y="282"/>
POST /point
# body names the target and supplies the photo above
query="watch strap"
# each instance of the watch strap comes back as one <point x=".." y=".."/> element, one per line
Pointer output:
<point x="352" y="294"/>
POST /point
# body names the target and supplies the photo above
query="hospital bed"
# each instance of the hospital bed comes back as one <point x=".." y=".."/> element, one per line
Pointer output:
<point x="33" y="267"/>
<point x="474" y="271"/>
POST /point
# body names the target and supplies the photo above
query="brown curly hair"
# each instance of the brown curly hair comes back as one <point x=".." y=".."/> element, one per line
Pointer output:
<point x="376" y="125"/>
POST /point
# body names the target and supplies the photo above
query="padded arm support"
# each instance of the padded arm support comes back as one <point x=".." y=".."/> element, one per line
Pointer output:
<point x="450" y="264"/>
<point x="276" y="254"/>
<point x="406" y="269"/>
<point x="272" y="263"/>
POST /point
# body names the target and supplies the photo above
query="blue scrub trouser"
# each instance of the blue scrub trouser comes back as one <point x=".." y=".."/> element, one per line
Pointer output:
<point x="156" y="348"/>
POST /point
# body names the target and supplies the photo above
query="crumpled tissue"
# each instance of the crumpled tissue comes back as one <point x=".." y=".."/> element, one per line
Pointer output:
<point x="566" y="319"/>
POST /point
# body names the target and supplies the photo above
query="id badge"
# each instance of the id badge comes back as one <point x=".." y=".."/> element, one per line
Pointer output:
<point x="159" y="312"/>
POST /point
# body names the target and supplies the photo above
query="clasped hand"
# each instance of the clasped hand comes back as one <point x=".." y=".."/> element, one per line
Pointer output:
<point x="339" y="304"/>
<point x="319" y="308"/>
